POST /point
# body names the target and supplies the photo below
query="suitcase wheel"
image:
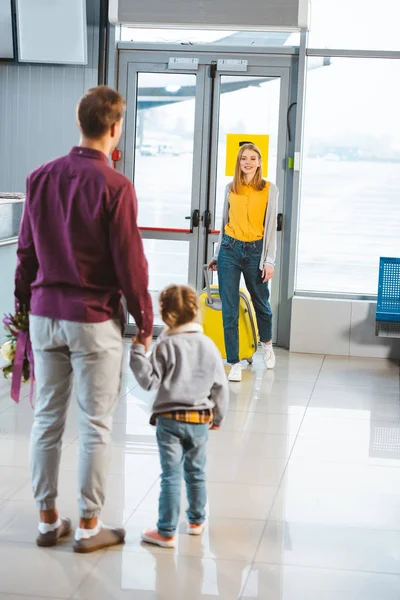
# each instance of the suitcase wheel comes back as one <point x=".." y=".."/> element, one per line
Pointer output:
<point x="250" y="361"/>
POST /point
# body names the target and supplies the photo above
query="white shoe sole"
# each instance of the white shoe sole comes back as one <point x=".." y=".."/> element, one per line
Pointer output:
<point x="198" y="531"/>
<point x="150" y="540"/>
<point x="270" y="366"/>
<point x="235" y="379"/>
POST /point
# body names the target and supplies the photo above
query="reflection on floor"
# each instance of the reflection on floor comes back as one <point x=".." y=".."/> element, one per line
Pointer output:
<point x="304" y="495"/>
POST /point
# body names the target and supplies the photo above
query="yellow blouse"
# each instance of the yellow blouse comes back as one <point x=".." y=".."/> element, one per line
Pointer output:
<point x="247" y="213"/>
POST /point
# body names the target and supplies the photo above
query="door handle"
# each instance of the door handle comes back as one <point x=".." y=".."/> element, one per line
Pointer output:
<point x="279" y="222"/>
<point x="194" y="219"/>
<point x="207" y="220"/>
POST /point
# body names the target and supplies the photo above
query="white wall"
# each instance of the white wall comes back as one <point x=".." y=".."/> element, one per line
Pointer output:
<point x="343" y="327"/>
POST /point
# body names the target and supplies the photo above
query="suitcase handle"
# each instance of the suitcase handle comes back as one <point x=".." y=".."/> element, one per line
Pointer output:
<point x="208" y="285"/>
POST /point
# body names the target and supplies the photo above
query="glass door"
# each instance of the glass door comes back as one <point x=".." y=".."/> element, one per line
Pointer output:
<point x="249" y="107"/>
<point x="162" y="158"/>
<point x="178" y="124"/>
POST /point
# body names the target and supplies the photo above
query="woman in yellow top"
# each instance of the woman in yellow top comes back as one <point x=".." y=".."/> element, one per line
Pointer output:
<point x="247" y="245"/>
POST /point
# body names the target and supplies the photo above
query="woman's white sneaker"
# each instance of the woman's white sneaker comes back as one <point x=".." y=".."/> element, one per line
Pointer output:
<point x="269" y="356"/>
<point x="235" y="374"/>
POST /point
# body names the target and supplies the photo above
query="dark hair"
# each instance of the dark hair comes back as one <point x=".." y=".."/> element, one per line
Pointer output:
<point x="178" y="305"/>
<point x="98" y="110"/>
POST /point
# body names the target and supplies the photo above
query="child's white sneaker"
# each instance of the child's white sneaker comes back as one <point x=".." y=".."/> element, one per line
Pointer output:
<point x="194" y="529"/>
<point x="269" y="356"/>
<point x="151" y="536"/>
<point x="235" y="374"/>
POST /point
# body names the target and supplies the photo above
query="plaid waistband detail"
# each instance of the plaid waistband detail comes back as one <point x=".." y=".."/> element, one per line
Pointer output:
<point x="196" y="417"/>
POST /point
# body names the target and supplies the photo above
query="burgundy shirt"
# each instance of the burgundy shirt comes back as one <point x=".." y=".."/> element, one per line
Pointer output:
<point x="79" y="244"/>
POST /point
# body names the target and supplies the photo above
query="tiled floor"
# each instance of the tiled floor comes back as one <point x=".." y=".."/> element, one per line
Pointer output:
<point x="304" y="495"/>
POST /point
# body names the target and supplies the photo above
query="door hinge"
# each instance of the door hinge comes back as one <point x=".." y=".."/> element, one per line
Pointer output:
<point x="228" y="64"/>
<point x="177" y="63"/>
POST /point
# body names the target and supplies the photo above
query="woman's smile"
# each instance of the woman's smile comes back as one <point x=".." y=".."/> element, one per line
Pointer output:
<point x="249" y="163"/>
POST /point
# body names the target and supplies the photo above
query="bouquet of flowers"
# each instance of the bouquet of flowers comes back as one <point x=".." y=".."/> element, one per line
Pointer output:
<point x="18" y="351"/>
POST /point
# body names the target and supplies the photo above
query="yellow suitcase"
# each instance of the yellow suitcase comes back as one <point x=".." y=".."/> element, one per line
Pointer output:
<point x="211" y="320"/>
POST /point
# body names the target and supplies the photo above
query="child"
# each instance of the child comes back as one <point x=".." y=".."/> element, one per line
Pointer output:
<point x="187" y="370"/>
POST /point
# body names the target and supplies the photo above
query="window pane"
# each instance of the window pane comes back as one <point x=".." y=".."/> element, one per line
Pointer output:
<point x="263" y="95"/>
<point x="164" y="148"/>
<point x="355" y="24"/>
<point x="350" y="201"/>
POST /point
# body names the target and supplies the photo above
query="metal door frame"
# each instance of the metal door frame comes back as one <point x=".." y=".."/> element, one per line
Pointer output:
<point x="129" y="154"/>
<point x="262" y="62"/>
<point x="206" y="244"/>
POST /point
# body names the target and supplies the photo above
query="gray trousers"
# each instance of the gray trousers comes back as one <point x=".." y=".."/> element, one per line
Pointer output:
<point x="90" y="356"/>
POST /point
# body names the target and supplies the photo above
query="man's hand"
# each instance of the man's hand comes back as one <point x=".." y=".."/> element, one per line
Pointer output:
<point x="267" y="273"/>
<point x="144" y="341"/>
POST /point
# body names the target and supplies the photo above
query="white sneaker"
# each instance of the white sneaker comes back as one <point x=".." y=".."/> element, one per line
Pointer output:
<point x="269" y="356"/>
<point x="235" y="374"/>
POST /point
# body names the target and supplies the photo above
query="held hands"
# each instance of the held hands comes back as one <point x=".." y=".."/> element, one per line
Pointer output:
<point x="267" y="273"/>
<point x="212" y="265"/>
<point x="143" y="341"/>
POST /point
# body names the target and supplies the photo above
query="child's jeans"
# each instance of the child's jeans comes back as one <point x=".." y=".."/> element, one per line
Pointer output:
<point x="182" y="448"/>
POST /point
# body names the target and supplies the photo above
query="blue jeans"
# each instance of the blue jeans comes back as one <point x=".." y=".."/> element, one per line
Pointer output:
<point x="182" y="449"/>
<point x="235" y="258"/>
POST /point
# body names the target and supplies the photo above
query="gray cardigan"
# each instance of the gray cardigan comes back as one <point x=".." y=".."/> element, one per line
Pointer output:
<point x="187" y="371"/>
<point x="268" y="255"/>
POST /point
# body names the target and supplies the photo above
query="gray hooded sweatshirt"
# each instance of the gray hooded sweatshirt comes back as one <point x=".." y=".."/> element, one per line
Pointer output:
<point x="187" y="371"/>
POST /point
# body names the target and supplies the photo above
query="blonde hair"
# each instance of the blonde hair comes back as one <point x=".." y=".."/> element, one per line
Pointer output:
<point x="257" y="183"/>
<point x="178" y="305"/>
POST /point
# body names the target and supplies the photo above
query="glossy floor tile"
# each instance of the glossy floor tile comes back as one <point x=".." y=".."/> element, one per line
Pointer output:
<point x="303" y="494"/>
<point x="253" y="446"/>
<point x="264" y="402"/>
<point x="249" y="422"/>
<point x="354" y="400"/>
<point x="350" y="477"/>
<point x="155" y="576"/>
<point x="12" y="480"/>
<point x="381" y="448"/>
<point x="48" y="573"/>
<point x="330" y="547"/>
<point x="340" y="428"/>
<point x="268" y="471"/>
<point x="224" y="538"/>
<point x="343" y="508"/>
<point x="360" y="371"/>
<point x="270" y="582"/>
